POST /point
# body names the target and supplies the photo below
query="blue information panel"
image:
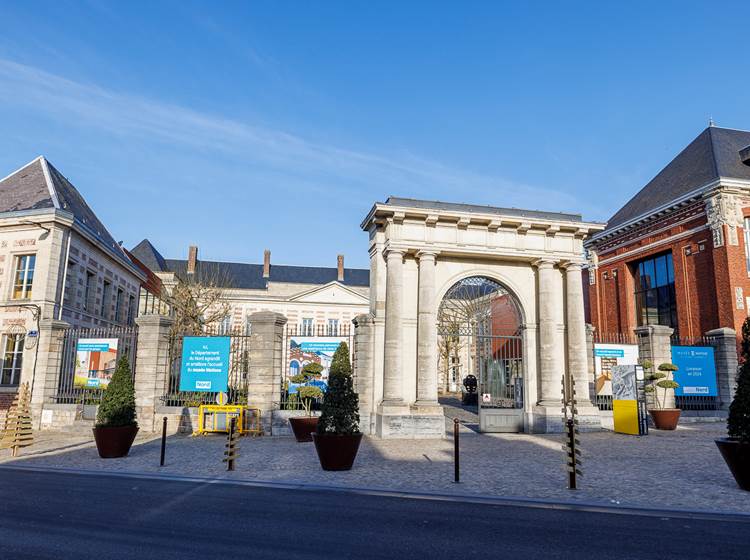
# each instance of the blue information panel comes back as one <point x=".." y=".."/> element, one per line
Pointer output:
<point x="697" y="371"/>
<point x="205" y="363"/>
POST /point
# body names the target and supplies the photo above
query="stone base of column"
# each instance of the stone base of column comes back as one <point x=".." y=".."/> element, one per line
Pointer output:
<point x="547" y="418"/>
<point x="405" y="422"/>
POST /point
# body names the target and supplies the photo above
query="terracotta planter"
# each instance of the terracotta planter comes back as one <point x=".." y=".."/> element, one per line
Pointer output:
<point x="666" y="418"/>
<point x="737" y="457"/>
<point x="337" y="453"/>
<point x="114" y="442"/>
<point x="303" y="427"/>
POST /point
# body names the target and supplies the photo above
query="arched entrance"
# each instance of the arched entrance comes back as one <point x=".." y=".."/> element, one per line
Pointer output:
<point x="480" y="337"/>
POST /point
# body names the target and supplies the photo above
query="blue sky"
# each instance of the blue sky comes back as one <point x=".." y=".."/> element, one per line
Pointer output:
<point x="251" y="125"/>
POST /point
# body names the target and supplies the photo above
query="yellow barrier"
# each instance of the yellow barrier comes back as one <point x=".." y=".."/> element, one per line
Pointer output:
<point x="215" y="418"/>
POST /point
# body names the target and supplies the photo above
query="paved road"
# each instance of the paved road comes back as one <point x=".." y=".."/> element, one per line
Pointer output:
<point x="58" y="516"/>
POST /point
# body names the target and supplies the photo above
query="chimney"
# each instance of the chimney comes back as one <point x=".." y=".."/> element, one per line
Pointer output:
<point x="340" y="268"/>
<point x="266" y="264"/>
<point x="192" y="259"/>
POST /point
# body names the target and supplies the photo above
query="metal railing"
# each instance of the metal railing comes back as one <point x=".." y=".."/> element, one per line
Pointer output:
<point x="73" y="373"/>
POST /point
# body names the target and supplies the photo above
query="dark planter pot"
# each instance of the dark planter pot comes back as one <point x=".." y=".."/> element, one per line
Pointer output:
<point x="666" y="418"/>
<point x="114" y="442"/>
<point x="303" y="427"/>
<point x="336" y="453"/>
<point x="737" y="457"/>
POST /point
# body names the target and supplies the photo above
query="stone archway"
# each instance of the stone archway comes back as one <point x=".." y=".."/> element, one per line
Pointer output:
<point x="418" y="251"/>
<point x="480" y="338"/>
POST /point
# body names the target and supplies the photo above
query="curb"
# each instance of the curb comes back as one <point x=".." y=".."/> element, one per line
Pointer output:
<point x="538" y="503"/>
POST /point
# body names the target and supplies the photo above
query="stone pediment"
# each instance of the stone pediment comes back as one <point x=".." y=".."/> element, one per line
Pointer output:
<point x="333" y="292"/>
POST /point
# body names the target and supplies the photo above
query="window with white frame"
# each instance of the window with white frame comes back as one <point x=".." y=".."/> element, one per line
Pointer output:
<point x="24" y="277"/>
<point x="225" y="326"/>
<point x="12" y="359"/>
<point x="333" y="327"/>
<point x="307" y="327"/>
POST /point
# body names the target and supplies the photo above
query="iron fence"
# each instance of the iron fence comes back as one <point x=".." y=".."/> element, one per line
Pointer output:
<point x="78" y="371"/>
<point x="237" y="381"/>
<point x="309" y="343"/>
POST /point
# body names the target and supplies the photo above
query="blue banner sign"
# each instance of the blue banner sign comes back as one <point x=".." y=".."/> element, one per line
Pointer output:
<point x="697" y="371"/>
<point x="205" y="363"/>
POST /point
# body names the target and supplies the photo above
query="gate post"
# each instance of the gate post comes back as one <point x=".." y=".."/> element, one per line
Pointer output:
<point x="364" y="328"/>
<point x="654" y="345"/>
<point x="724" y="341"/>
<point x="47" y="366"/>
<point x="590" y="363"/>
<point x="151" y="368"/>
<point x="266" y="350"/>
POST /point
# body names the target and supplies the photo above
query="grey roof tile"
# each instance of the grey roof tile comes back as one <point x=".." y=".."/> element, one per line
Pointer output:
<point x="149" y="256"/>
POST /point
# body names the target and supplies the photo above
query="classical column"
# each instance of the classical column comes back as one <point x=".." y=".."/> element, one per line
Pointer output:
<point x="576" y="329"/>
<point x="393" y="390"/>
<point x="550" y="366"/>
<point x="426" y="332"/>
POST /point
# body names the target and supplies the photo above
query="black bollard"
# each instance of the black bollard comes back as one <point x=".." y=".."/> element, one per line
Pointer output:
<point x="163" y="441"/>
<point x="456" y="469"/>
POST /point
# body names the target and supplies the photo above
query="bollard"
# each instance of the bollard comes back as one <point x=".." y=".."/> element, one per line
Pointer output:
<point x="456" y="469"/>
<point x="163" y="441"/>
<point x="231" y="451"/>
<point x="572" y="455"/>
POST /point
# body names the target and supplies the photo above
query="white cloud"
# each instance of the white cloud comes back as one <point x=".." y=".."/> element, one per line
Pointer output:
<point x="274" y="152"/>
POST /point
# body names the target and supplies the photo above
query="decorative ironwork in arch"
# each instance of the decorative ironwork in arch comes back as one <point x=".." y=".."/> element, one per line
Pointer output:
<point x="478" y="306"/>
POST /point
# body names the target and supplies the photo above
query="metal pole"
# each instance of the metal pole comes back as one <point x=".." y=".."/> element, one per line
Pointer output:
<point x="572" y="482"/>
<point x="163" y="441"/>
<point x="456" y="469"/>
<point x="230" y="444"/>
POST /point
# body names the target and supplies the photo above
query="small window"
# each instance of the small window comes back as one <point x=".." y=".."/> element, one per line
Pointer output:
<point x="118" y="304"/>
<point x="131" y="309"/>
<point x="88" y="290"/>
<point x="307" y="327"/>
<point x="225" y="326"/>
<point x="24" y="277"/>
<point x="333" y="327"/>
<point x="12" y="360"/>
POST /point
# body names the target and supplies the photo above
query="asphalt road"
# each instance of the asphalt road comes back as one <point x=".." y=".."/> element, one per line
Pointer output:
<point x="59" y="516"/>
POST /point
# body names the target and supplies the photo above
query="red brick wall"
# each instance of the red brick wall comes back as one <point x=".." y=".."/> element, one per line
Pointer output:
<point x="705" y="280"/>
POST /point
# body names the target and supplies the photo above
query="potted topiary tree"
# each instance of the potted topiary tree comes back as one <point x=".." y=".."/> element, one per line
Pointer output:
<point x="338" y="437"/>
<point x="304" y="426"/>
<point x="664" y="418"/>
<point x="116" y="426"/>
<point x="736" y="448"/>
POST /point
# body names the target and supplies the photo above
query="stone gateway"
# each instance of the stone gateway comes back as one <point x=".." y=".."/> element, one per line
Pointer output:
<point x="503" y="283"/>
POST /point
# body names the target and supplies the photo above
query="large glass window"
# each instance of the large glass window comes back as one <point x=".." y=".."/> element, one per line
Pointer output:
<point x="24" y="277"/>
<point x="655" y="302"/>
<point x="12" y="359"/>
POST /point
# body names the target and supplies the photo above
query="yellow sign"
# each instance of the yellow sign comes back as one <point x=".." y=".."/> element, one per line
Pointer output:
<point x="625" y="416"/>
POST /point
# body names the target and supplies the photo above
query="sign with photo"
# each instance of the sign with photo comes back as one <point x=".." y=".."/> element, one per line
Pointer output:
<point x="205" y="363"/>
<point x="311" y="349"/>
<point x="606" y="356"/>
<point x="697" y="371"/>
<point x="96" y="359"/>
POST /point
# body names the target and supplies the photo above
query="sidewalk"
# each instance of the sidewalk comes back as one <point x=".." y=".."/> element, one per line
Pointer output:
<point x="670" y="470"/>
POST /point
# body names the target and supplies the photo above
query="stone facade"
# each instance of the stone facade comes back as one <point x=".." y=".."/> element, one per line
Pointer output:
<point x="417" y="253"/>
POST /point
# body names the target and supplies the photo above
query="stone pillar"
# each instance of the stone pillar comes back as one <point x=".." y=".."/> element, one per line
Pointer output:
<point x="576" y="328"/>
<point x="654" y="345"/>
<point x="393" y="385"/>
<point x="363" y="371"/>
<point x="550" y="353"/>
<point x="47" y="366"/>
<point x="151" y="368"/>
<point x="724" y="342"/>
<point x="266" y="350"/>
<point x="427" y="350"/>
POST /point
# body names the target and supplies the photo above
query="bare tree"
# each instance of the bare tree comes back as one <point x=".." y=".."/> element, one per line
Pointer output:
<point x="197" y="301"/>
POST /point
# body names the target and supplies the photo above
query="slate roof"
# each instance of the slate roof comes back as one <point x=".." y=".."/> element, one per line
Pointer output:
<point x="713" y="154"/>
<point x="457" y="207"/>
<point x="248" y="276"/>
<point x="39" y="185"/>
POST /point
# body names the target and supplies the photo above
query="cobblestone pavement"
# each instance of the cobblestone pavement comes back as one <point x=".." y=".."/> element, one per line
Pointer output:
<point x="680" y="470"/>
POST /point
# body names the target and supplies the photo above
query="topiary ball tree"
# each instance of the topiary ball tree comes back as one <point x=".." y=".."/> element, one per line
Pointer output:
<point x="340" y="409"/>
<point x="738" y="423"/>
<point x="118" y="403"/>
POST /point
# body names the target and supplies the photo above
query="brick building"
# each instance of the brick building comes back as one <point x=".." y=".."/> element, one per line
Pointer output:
<point x="677" y="253"/>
